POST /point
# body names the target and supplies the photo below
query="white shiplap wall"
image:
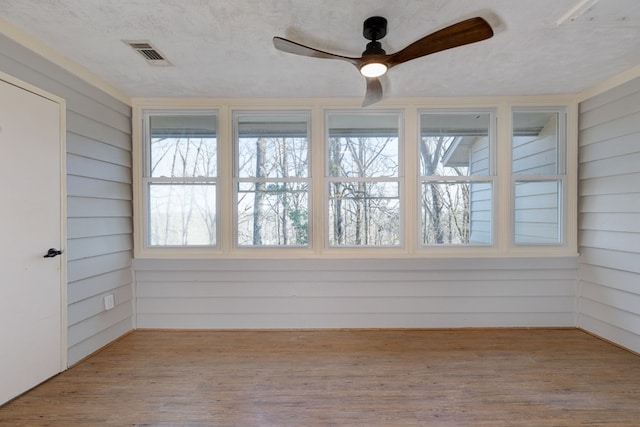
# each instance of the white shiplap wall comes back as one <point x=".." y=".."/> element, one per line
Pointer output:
<point x="355" y="293"/>
<point x="99" y="245"/>
<point x="609" y="209"/>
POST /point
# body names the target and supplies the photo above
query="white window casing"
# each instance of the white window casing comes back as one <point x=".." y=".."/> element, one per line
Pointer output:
<point x="409" y="179"/>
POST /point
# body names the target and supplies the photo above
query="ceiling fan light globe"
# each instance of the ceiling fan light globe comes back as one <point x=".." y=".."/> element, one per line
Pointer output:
<point x="373" y="69"/>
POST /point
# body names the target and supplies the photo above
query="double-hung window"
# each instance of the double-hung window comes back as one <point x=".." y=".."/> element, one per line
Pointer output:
<point x="456" y="177"/>
<point x="223" y="180"/>
<point x="272" y="179"/>
<point x="180" y="176"/>
<point x="364" y="179"/>
<point x="538" y="167"/>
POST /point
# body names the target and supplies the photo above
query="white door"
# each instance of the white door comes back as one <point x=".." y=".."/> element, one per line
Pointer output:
<point x="30" y="224"/>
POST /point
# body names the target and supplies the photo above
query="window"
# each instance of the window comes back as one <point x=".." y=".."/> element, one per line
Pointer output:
<point x="538" y="175"/>
<point x="363" y="175"/>
<point x="272" y="178"/>
<point x="180" y="178"/>
<point x="491" y="178"/>
<point x="456" y="177"/>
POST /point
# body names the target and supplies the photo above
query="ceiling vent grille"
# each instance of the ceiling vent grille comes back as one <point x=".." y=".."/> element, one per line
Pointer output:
<point x="603" y="13"/>
<point x="152" y="55"/>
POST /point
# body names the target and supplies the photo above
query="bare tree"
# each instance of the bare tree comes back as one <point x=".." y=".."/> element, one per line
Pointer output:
<point x="278" y="213"/>
<point x="430" y="159"/>
<point x="445" y="205"/>
<point x="335" y="160"/>
<point x="357" y="210"/>
<point x="259" y="194"/>
<point x="181" y="213"/>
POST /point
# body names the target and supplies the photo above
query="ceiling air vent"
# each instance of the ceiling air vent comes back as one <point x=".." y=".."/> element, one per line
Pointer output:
<point x="152" y="55"/>
<point x="615" y="13"/>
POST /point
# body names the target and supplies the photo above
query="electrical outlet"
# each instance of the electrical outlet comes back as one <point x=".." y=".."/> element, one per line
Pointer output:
<point x="109" y="302"/>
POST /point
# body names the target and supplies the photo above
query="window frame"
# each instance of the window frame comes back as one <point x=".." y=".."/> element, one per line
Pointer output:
<point x="236" y="180"/>
<point x="561" y="176"/>
<point x="491" y="177"/>
<point x="147" y="180"/>
<point x="502" y="192"/>
<point x="400" y="179"/>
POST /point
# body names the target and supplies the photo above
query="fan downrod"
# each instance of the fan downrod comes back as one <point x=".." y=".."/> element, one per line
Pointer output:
<point x="374" y="28"/>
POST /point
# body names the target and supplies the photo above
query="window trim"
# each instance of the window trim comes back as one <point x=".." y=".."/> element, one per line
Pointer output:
<point x="400" y="179"/>
<point x="491" y="177"/>
<point x="147" y="179"/>
<point x="236" y="180"/>
<point x="410" y="107"/>
<point x="562" y="176"/>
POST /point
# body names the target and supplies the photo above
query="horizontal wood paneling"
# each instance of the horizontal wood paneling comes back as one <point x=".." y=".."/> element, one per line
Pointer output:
<point x="627" y="222"/>
<point x="616" y="184"/>
<point x="611" y="332"/>
<point x="609" y="212"/>
<point x="98" y="245"/>
<point x="321" y="321"/>
<point x="611" y="278"/>
<point x="375" y="289"/>
<point x="99" y="190"/>
<point x="621" y="165"/>
<point x="93" y="207"/>
<point x="98" y="226"/>
<point x="94" y="305"/>
<point x="626" y="105"/>
<point x="612" y="240"/>
<point x="616" y="260"/>
<point x="610" y="203"/>
<point x="92" y="149"/>
<point x="324" y="276"/>
<point x="99" y="200"/>
<point x="94" y="266"/>
<point x="98" y="285"/>
<point x="611" y="322"/>
<point x="627" y="144"/>
<point x="355" y="293"/>
<point x="609" y="97"/>
<point x="90" y="168"/>
<point x="106" y="334"/>
<point x="362" y="305"/>
<point x="623" y="126"/>
<point x="421" y="265"/>
<point x="627" y="301"/>
<point x="80" y="186"/>
<point x="92" y="128"/>
<point x="88" y="326"/>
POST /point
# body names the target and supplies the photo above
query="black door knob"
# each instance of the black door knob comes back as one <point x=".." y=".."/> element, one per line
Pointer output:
<point x="52" y="253"/>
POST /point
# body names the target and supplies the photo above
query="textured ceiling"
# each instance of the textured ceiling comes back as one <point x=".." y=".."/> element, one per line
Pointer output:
<point x="223" y="48"/>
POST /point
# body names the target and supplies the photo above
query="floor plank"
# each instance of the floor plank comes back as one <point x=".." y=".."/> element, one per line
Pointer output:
<point x="342" y="378"/>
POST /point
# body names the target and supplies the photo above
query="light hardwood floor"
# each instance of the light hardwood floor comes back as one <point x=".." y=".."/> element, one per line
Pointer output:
<point x="342" y="378"/>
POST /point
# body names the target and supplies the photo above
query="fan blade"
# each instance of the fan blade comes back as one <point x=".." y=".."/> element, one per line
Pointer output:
<point x="464" y="32"/>
<point x="374" y="92"/>
<point x="299" y="49"/>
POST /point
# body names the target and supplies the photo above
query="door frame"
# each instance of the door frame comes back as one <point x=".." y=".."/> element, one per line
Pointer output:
<point x="63" y="204"/>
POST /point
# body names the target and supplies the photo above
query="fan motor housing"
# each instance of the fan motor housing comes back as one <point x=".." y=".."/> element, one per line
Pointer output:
<point x="374" y="28"/>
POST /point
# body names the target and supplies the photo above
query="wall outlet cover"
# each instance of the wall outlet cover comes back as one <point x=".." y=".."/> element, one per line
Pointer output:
<point x="109" y="302"/>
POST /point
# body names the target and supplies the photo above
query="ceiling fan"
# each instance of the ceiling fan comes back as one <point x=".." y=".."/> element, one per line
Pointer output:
<point x="375" y="62"/>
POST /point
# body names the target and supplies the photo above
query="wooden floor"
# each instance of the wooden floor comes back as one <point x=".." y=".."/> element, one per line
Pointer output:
<point x="342" y="378"/>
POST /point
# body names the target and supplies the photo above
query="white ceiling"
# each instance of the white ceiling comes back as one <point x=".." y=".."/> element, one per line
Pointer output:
<point x="223" y="48"/>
